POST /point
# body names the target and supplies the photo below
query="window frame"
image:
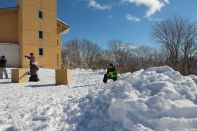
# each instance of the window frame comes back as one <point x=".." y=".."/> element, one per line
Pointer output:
<point x="41" y="51"/>
<point x="40" y="14"/>
<point x="41" y="34"/>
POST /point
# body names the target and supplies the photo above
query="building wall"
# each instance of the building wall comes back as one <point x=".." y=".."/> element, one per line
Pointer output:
<point x="29" y="26"/>
<point x="59" y="45"/>
<point x="8" y="26"/>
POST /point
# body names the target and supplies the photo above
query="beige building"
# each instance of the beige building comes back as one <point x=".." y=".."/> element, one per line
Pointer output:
<point x="32" y="26"/>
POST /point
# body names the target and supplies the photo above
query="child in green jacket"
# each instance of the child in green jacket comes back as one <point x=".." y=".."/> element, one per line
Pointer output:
<point x="111" y="73"/>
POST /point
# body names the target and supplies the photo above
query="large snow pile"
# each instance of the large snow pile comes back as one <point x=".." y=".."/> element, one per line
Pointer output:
<point x="158" y="98"/>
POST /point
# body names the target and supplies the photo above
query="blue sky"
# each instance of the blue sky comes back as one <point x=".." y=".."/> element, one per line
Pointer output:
<point x="128" y="20"/>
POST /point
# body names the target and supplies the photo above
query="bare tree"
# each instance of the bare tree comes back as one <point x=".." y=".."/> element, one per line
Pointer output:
<point x="147" y="57"/>
<point x="188" y="47"/>
<point x="86" y="54"/>
<point x="120" y="55"/>
<point x="178" y="36"/>
<point x="90" y="54"/>
<point x="71" y="54"/>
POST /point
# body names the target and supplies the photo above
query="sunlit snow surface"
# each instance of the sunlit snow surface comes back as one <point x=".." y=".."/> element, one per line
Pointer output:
<point x="157" y="99"/>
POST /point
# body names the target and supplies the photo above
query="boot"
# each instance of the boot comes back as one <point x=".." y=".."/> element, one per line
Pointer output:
<point x="105" y="78"/>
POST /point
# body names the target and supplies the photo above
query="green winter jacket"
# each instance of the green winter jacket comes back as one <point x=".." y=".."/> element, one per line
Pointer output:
<point x="111" y="73"/>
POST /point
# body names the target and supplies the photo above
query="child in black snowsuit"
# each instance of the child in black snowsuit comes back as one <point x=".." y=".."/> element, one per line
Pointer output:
<point x="111" y="73"/>
<point x="33" y="72"/>
<point x="3" y="67"/>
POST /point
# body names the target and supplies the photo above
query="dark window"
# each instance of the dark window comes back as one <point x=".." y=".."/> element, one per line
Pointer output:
<point x="40" y="14"/>
<point x="41" y="51"/>
<point x="41" y="34"/>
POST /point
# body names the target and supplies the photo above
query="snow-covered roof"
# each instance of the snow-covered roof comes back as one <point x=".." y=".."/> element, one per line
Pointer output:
<point x="65" y="27"/>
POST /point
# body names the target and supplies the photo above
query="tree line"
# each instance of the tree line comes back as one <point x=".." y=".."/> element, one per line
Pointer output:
<point x="176" y="36"/>
<point x="86" y="54"/>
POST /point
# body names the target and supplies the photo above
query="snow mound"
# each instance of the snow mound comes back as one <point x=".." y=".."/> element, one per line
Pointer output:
<point x="158" y="98"/>
<point x="155" y="99"/>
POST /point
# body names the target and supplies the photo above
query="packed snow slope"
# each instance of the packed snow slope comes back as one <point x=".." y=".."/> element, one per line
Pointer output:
<point x="158" y="98"/>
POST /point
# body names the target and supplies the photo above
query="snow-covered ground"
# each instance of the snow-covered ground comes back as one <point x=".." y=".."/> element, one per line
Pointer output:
<point x="157" y="99"/>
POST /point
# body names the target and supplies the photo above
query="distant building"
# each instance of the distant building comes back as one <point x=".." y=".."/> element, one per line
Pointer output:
<point x="32" y="26"/>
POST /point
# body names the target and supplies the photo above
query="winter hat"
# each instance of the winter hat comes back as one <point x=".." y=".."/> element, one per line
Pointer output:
<point x="110" y="64"/>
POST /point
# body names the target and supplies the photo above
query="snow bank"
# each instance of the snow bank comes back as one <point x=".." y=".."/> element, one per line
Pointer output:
<point x="158" y="98"/>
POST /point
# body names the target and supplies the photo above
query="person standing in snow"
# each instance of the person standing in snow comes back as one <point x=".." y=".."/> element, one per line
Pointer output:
<point x="33" y="68"/>
<point x="33" y="72"/>
<point x="3" y="62"/>
<point x="111" y="73"/>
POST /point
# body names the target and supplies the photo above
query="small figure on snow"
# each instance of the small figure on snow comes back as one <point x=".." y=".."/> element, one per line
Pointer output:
<point x="111" y="73"/>
<point x="31" y="59"/>
<point x="33" y="68"/>
<point x="3" y="62"/>
<point x="33" y="72"/>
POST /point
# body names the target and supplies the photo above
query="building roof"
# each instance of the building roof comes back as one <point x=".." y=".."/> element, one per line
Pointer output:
<point x="64" y="27"/>
<point x="8" y="9"/>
